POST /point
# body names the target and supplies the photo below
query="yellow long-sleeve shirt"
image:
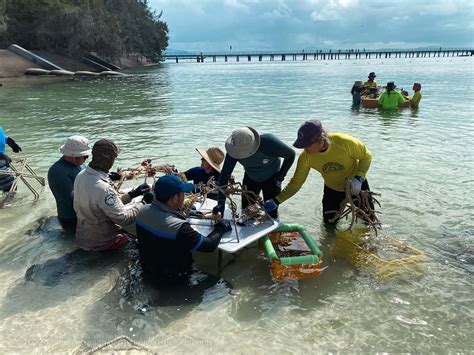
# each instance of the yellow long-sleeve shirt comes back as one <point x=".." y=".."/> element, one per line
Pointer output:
<point x="345" y="157"/>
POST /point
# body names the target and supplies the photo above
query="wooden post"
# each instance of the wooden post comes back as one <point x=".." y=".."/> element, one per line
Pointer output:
<point x="260" y="58"/>
<point x="237" y="58"/>
<point x="225" y="58"/>
<point x="176" y="59"/>
<point x="249" y="58"/>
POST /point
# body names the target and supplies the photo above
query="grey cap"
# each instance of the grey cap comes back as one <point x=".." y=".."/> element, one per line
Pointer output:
<point x="242" y="143"/>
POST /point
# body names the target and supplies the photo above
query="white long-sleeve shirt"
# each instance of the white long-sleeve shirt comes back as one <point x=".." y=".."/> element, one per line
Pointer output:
<point x="100" y="210"/>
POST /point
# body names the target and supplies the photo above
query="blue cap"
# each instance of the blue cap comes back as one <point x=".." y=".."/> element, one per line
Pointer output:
<point x="170" y="185"/>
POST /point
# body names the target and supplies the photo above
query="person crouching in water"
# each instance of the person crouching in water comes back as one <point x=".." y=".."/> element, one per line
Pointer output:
<point x="211" y="160"/>
<point x="100" y="209"/>
<point x="337" y="156"/>
<point x="166" y="240"/>
<point x="61" y="176"/>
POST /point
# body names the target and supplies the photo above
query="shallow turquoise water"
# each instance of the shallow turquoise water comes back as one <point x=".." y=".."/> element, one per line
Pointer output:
<point x="422" y="165"/>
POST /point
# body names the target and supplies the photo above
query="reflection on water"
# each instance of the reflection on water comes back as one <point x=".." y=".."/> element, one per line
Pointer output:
<point x="422" y="165"/>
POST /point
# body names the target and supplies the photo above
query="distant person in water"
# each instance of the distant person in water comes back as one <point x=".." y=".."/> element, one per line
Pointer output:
<point x="100" y="209"/>
<point x="6" y="180"/>
<point x="370" y="82"/>
<point x="416" y="98"/>
<point x="390" y="98"/>
<point x="356" y="92"/>
<point x="61" y="175"/>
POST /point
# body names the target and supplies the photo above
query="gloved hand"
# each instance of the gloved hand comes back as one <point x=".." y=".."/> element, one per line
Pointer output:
<point x="356" y="185"/>
<point x="270" y="205"/>
<point x="224" y="226"/>
<point x="148" y="197"/>
<point x="219" y="208"/>
<point x="15" y="147"/>
<point x="139" y="190"/>
<point x="113" y="176"/>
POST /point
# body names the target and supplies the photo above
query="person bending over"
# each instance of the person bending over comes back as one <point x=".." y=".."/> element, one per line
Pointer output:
<point x="261" y="156"/>
<point x="337" y="157"/>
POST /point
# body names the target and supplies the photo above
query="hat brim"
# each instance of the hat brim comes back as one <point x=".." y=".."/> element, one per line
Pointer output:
<point x="237" y="153"/>
<point x="69" y="153"/>
<point x="300" y="143"/>
<point x="204" y="154"/>
<point x="187" y="187"/>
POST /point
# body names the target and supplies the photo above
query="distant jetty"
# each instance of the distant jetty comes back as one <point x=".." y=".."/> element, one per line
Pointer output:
<point x="320" y="54"/>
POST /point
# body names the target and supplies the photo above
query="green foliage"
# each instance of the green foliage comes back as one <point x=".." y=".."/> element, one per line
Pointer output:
<point x="111" y="28"/>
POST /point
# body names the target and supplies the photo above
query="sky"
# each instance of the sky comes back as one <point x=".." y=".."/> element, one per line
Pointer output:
<point x="253" y="25"/>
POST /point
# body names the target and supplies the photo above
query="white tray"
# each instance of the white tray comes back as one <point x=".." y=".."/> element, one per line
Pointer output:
<point x="248" y="234"/>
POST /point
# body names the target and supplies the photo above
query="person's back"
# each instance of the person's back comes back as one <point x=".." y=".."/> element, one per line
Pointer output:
<point x="391" y="99"/>
<point x="165" y="239"/>
<point x="61" y="176"/>
<point x="356" y="92"/>
<point x="100" y="209"/>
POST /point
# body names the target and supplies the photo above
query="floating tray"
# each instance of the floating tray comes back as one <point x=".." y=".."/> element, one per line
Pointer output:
<point x="292" y="253"/>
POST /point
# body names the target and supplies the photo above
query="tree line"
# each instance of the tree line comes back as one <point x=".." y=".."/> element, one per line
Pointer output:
<point x="110" y="28"/>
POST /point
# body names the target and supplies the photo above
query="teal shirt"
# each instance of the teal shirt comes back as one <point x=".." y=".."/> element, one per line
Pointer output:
<point x="61" y="178"/>
<point x="391" y="101"/>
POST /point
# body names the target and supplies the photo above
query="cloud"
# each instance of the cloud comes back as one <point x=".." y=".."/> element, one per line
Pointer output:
<point x="296" y="24"/>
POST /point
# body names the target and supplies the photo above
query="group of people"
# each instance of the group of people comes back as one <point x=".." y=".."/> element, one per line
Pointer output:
<point x="390" y="99"/>
<point x="90" y="208"/>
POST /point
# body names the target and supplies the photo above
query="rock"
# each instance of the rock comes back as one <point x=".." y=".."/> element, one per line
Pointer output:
<point x="36" y="71"/>
<point x="85" y="73"/>
<point x="111" y="73"/>
<point x="61" y="72"/>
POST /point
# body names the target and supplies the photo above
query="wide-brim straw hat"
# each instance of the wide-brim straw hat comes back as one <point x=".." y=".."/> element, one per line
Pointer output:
<point x="213" y="155"/>
<point x="242" y="143"/>
<point x="75" y="146"/>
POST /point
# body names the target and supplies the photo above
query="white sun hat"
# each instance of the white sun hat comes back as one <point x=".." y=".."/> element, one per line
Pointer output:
<point x="75" y="146"/>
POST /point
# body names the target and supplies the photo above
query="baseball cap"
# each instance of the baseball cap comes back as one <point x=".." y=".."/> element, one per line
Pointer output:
<point x="307" y="133"/>
<point x="170" y="185"/>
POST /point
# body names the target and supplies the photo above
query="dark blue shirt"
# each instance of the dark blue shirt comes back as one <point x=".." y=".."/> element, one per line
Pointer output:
<point x="61" y="178"/>
<point x="265" y="163"/>
<point x="198" y="175"/>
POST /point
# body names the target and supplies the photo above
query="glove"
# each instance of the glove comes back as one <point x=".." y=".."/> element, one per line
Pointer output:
<point x="224" y="226"/>
<point x="356" y="185"/>
<point x="15" y="147"/>
<point x="113" y="176"/>
<point x="270" y="205"/>
<point x="139" y="190"/>
<point x="148" y="197"/>
<point x="219" y="208"/>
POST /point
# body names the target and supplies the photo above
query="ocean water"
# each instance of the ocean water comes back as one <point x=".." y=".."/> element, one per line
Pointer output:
<point x="422" y="167"/>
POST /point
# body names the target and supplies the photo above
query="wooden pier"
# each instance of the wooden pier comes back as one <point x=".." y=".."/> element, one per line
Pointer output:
<point x="320" y="55"/>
